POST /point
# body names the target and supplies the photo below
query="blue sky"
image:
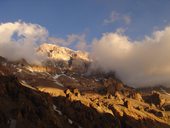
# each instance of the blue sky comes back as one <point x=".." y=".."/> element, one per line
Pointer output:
<point x="65" y="17"/>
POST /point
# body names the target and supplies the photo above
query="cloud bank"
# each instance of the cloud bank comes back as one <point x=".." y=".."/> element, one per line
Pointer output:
<point x="19" y="40"/>
<point x="137" y="63"/>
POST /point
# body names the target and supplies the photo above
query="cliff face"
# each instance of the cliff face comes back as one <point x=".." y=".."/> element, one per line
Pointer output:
<point x="60" y="93"/>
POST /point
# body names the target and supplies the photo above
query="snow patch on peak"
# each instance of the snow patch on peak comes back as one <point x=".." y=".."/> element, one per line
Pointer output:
<point x="61" y="53"/>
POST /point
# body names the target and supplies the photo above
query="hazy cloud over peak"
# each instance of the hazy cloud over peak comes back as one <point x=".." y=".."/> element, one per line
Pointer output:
<point x="143" y="62"/>
<point x="19" y="40"/>
<point x="115" y="17"/>
<point x="75" y="40"/>
<point x="137" y="63"/>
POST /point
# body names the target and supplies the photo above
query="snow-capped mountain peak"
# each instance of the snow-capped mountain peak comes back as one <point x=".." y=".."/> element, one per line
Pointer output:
<point x="61" y="53"/>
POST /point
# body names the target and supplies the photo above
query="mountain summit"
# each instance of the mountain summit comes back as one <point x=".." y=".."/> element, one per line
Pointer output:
<point x="61" y="53"/>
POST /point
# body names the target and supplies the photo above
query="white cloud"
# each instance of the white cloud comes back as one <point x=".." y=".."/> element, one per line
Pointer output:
<point x="115" y="17"/>
<point x="137" y="63"/>
<point x="19" y="40"/>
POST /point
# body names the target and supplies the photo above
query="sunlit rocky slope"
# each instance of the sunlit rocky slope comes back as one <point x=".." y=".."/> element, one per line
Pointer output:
<point x="63" y="92"/>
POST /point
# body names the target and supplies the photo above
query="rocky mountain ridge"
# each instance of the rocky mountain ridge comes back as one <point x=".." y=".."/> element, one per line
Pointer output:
<point x="69" y="97"/>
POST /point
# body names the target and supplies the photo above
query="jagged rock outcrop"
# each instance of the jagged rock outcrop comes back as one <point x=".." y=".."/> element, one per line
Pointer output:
<point x="155" y="99"/>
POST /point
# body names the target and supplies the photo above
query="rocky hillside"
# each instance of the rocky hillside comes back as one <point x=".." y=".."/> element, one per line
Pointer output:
<point x="60" y="93"/>
<point x="23" y="107"/>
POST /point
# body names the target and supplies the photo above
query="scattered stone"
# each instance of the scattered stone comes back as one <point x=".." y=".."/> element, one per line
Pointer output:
<point x="153" y="105"/>
<point x="140" y="108"/>
<point x="128" y="104"/>
<point x="76" y="92"/>
<point x="110" y="96"/>
<point x="99" y="104"/>
<point x="155" y="99"/>
<point x="137" y="96"/>
<point x="67" y="91"/>
<point x="118" y="96"/>
<point x="156" y="112"/>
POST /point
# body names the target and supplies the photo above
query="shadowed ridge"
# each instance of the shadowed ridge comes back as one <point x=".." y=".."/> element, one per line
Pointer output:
<point x="22" y="107"/>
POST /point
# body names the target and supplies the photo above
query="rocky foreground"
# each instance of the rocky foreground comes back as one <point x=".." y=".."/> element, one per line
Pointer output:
<point x="63" y="94"/>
